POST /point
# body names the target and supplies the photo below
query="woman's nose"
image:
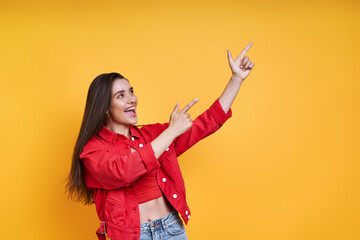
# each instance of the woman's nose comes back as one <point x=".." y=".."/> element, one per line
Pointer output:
<point x="132" y="99"/>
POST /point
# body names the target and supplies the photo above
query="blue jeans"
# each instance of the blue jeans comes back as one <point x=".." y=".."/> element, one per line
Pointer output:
<point x="169" y="227"/>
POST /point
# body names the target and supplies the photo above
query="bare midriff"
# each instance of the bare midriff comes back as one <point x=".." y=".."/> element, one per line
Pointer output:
<point x="154" y="209"/>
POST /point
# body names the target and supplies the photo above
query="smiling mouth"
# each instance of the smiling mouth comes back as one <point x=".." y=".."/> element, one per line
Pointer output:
<point x="130" y="111"/>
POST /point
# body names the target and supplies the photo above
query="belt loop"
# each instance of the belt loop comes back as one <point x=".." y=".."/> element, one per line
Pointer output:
<point x="163" y="223"/>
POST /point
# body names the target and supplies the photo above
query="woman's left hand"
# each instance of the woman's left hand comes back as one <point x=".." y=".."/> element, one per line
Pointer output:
<point x="241" y="66"/>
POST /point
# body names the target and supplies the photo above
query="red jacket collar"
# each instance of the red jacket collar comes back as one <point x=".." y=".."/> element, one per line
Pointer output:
<point x="111" y="136"/>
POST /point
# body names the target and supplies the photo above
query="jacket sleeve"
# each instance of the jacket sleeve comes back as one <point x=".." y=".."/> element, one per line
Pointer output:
<point x="204" y="125"/>
<point x="108" y="170"/>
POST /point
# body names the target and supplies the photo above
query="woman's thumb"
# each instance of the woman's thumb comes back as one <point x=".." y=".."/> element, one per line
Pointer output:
<point x="230" y="58"/>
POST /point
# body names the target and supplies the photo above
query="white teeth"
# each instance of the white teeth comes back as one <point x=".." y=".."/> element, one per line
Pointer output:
<point x="130" y="109"/>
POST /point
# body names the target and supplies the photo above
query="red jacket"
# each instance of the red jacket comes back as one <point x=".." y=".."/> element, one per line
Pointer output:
<point x="110" y="168"/>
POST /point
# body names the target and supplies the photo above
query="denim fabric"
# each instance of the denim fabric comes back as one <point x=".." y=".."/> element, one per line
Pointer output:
<point x="170" y="227"/>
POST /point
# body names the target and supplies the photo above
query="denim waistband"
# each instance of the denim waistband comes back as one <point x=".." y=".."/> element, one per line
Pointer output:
<point x="161" y="222"/>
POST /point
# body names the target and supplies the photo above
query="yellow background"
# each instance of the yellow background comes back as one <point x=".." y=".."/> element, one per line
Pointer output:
<point x="285" y="166"/>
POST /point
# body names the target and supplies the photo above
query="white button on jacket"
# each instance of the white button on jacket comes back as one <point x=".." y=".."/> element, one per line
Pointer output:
<point x="174" y="196"/>
<point x="164" y="179"/>
<point x="140" y="145"/>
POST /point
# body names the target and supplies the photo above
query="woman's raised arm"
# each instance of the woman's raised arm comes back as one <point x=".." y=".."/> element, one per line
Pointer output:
<point x="181" y="129"/>
<point x="240" y="68"/>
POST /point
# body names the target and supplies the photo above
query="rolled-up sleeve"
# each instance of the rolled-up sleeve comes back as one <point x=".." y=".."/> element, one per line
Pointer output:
<point x="218" y="113"/>
<point x="204" y="125"/>
<point x="148" y="157"/>
<point x="108" y="170"/>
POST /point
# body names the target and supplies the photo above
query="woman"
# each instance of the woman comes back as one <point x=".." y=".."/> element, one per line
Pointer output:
<point x="132" y="174"/>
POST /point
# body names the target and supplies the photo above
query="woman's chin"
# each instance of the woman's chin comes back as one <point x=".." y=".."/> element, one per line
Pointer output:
<point x="134" y="121"/>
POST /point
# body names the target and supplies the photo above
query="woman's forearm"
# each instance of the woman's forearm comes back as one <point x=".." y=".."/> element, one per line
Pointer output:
<point x="240" y="68"/>
<point x="231" y="90"/>
<point x="163" y="141"/>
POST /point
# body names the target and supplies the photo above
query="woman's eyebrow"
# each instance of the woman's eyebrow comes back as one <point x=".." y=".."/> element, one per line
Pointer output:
<point x="122" y="91"/>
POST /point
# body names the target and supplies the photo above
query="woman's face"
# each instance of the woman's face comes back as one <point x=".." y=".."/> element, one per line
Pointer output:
<point x="122" y="111"/>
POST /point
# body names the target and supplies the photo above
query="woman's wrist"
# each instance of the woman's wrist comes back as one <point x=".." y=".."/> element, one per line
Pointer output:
<point x="170" y="133"/>
<point x="236" y="77"/>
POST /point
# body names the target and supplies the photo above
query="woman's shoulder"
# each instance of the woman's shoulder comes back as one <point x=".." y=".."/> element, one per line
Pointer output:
<point x="153" y="129"/>
<point x="94" y="143"/>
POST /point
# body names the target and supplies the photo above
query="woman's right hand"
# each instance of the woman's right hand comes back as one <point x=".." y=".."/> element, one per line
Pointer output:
<point x="180" y="121"/>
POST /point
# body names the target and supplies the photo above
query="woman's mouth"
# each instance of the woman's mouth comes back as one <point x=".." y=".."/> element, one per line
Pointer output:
<point x="130" y="112"/>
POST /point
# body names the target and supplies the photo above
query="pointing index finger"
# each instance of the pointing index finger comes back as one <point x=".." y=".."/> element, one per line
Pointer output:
<point x="242" y="54"/>
<point x="189" y="105"/>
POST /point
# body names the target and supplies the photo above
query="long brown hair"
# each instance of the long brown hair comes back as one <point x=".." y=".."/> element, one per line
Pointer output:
<point x="97" y="102"/>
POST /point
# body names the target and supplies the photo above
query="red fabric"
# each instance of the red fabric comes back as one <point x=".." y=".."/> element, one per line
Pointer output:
<point x="110" y="170"/>
<point x="147" y="188"/>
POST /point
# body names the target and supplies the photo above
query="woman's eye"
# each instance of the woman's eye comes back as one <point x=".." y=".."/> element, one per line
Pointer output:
<point x="132" y="91"/>
<point x="121" y="95"/>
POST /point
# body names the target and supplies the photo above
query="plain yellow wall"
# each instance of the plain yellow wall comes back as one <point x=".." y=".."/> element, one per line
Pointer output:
<point x="285" y="166"/>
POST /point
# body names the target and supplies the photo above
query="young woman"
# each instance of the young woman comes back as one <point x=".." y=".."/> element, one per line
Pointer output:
<point x="132" y="174"/>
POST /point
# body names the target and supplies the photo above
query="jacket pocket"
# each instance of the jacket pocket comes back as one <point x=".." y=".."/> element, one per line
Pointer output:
<point x="115" y="212"/>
